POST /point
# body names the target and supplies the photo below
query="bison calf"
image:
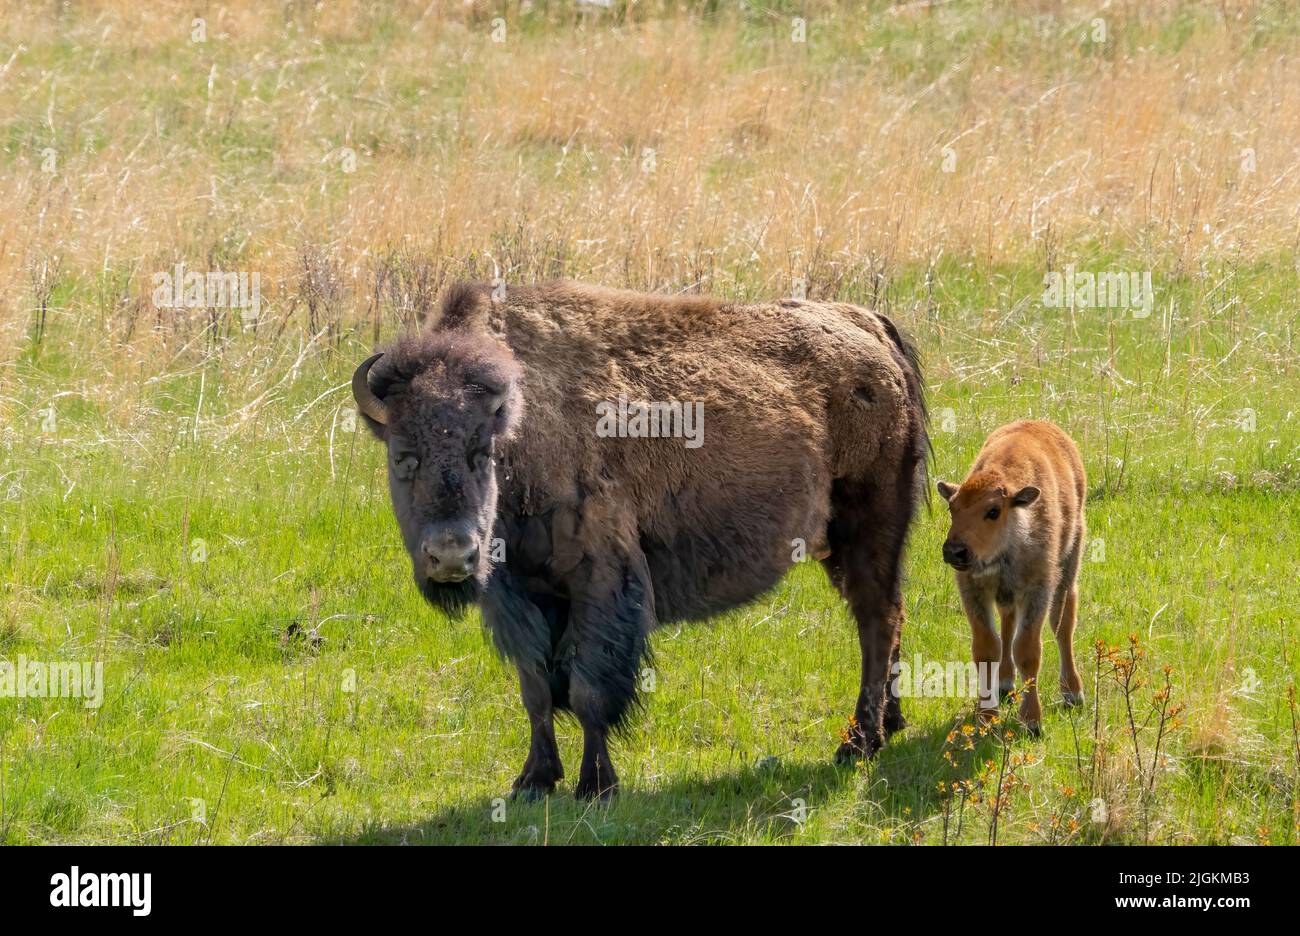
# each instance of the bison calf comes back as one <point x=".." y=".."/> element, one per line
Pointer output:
<point x="1015" y="542"/>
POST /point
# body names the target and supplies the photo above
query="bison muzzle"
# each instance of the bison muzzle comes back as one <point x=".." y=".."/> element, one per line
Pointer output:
<point x="576" y="541"/>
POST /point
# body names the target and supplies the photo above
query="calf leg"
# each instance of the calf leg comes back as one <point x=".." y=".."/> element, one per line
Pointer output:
<point x="985" y="647"/>
<point x="1031" y="610"/>
<point x="542" y="770"/>
<point x="1007" y="666"/>
<point x="1064" y="618"/>
<point x="1071" y="682"/>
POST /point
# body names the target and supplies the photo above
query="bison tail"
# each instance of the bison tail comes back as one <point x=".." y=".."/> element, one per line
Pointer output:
<point x="909" y="359"/>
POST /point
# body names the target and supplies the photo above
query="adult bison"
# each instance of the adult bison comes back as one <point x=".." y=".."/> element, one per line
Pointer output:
<point x="577" y="534"/>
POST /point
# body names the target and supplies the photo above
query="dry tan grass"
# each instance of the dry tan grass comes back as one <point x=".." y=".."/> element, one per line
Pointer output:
<point x="772" y="160"/>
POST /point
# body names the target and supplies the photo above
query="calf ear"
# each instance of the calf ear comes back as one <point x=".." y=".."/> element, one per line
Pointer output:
<point x="1026" y="495"/>
<point x="946" y="490"/>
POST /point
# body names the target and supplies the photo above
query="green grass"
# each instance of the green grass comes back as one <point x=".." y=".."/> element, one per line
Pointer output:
<point x="293" y="683"/>
<point x="196" y="510"/>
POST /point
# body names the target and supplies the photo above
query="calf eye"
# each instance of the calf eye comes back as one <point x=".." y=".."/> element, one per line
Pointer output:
<point x="993" y="514"/>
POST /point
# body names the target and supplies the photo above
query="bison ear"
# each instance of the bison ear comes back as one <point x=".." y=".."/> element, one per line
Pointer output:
<point x="378" y="430"/>
<point x="946" y="490"/>
<point x="1025" y="496"/>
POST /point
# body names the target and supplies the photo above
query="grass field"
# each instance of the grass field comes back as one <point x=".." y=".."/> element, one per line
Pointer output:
<point x="186" y="498"/>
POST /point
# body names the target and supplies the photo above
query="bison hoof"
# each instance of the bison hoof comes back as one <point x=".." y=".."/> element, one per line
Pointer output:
<point x="894" y="723"/>
<point x="1072" y="699"/>
<point x="1035" y="730"/>
<point x="593" y="791"/>
<point x="531" y="793"/>
<point x="1006" y="690"/>
<point x="858" y="747"/>
<point x="533" y="785"/>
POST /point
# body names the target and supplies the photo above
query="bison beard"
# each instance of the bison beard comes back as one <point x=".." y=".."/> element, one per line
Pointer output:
<point x="451" y="598"/>
<point x="816" y="445"/>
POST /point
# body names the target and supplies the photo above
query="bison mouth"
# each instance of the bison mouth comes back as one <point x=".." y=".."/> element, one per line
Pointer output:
<point x="440" y="577"/>
<point x="451" y="597"/>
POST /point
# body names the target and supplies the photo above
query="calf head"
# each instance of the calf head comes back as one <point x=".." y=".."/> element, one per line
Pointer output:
<point x="441" y="403"/>
<point x="985" y="520"/>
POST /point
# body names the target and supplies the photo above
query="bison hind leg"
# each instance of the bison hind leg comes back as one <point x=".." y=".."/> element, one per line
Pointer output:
<point x="894" y="721"/>
<point x="868" y="533"/>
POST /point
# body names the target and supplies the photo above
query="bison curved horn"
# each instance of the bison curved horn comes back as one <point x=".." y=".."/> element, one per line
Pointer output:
<point x="367" y="402"/>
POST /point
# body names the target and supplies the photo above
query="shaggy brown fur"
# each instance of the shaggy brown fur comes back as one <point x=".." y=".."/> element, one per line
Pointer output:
<point x="1016" y="541"/>
<point x="814" y="442"/>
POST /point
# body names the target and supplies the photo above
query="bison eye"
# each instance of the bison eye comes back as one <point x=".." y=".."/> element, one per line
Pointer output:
<point x="993" y="514"/>
<point x="404" y="467"/>
<point x="479" y="460"/>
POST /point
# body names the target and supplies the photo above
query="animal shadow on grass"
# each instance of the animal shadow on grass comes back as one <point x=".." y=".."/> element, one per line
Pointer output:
<point x="771" y="801"/>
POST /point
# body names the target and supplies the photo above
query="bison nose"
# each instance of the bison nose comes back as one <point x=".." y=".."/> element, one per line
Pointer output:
<point x="956" y="554"/>
<point x="451" y="551"/>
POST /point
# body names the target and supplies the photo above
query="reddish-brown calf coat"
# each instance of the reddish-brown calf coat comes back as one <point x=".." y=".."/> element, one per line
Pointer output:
<point x="1016" y="542"/>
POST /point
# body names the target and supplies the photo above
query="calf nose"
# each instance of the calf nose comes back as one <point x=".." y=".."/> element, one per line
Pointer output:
<point x="955" y="553"/>
<point x="452" y="553"/>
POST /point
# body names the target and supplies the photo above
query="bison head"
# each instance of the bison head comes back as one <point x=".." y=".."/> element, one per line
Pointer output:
<point x="441" y="403"/>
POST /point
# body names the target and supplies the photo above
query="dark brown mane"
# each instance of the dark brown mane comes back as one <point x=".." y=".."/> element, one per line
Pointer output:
<point x="464" y="304"/>
<point x="480" y="359"/>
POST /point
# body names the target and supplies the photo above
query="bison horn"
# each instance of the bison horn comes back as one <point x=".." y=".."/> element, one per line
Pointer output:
<point x="367" y="402"/>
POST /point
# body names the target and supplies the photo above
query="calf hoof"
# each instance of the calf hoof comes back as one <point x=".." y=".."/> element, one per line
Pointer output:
<point x="1072" y="699"/>
<point x="1005" y="690"/>
<point x="1034" y="729"/>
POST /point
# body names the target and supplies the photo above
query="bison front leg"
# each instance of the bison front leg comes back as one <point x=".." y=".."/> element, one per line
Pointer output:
<point x="521" y="633"/>
<point x="610" y="622"/>
<point x="597" y="779"/>
<point x="543" y="769"/>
